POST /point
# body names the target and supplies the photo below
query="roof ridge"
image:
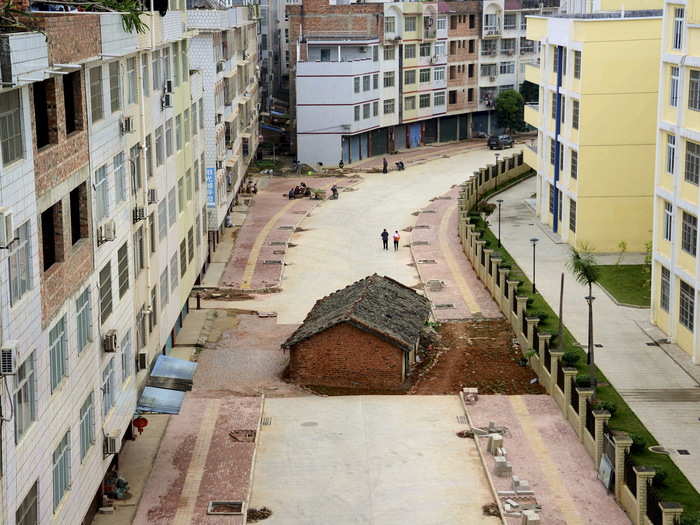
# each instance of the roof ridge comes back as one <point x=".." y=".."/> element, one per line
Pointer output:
<point x="361" y="296"/>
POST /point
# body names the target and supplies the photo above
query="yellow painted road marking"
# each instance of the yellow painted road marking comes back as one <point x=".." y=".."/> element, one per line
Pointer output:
<point x="452" y="263"/>
<point x="195" y="471"/>
<point x="556" y="484"/>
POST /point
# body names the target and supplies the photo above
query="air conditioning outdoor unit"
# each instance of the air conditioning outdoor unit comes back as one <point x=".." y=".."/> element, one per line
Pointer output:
<point x="112" y="445"/>
<point x="109" y="341"/>
<point x="142" y="361"/>
<point x="152" y="196"/>
<point x="219" y="164"/>
<point x="8" y="359"/>
<point x="138" y="214"/>
<point x="168" y="86"/>
<point x="126" y="125"/>
<point x="6" y="228"/>
<point x="219" y="118"/>
<point x="166" y="101"/>
<point x="106" y="232"/>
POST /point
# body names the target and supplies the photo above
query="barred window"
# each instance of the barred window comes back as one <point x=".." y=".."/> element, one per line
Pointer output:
<point x="675" y="78"/>
<point x="20" y="262"/>
<point x="87" y="425"/>
<point x="574" y="113"/>
<point x="689" y="237"/>
<point x="123" y="269"/>
<point x="694" y="90"/>
<point x="574" y="164"/>
<point x="572" y="215"/>
<point x="83" y="311"/>
<point x="105" y="292"/>
<point x="665" y="295"/>
<point x="24" y="397"/>
<point x="670" y="153"/>
<point x="692" y="162"/>
<point x="11" y="137"/>
<point x="58" y="353"/>
<point x="686" y="311"/>
<point x="668" y="221"/>
<point x="61" y="470"/>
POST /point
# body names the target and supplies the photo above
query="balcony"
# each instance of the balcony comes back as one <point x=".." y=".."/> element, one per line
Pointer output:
<point x="532" y="115"/>
<point x="22" y="53"/>
<point x="532" y="73"/>
<point x="530" y="155"/>
<point x="491" y="32"/>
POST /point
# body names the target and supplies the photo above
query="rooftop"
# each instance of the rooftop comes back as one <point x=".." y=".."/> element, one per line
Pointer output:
<point x="639" y="13"/>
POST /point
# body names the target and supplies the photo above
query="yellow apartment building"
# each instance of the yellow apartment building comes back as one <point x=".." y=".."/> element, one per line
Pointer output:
<point x="595" y="148"/>
<point x="677" y="190"/>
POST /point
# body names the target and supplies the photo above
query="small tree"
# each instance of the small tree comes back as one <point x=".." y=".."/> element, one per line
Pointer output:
<point x="585" y="269"/>
<point x="509" y="110"/>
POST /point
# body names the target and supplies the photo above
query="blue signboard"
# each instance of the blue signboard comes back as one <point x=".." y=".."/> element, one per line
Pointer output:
<point x="211" y="187"/>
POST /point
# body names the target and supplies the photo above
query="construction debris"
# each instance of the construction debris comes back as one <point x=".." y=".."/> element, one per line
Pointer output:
<point x="491" y="509"/>
<point x="260" y="514"/>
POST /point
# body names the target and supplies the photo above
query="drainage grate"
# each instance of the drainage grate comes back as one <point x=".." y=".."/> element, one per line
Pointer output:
<point x="428" y="211"/>
<point x="444" y="306"/>
<point x="427" y="261"/>
<point x="272" y="261"/>
<point x="286" y="228"/>
<point x="278" y="243"/>
<point x="422" y="227"/>
<point x="266" y="421"/>
<point x="277" y="252"/>
<point x="227" y="508"/>
<point x="242" y="436"/>
<point x="462" y="420"/>
<point x="435" y="285"/>
<point x="420" y="243"/>
<point x="683" y="452"/>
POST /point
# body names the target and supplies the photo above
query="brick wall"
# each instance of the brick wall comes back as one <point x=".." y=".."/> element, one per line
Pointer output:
<point x="71" y="37"/>
<point x="344" y="356"/>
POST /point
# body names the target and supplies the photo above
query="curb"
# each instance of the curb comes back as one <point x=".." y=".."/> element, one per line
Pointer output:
<point x="252" y="461"/>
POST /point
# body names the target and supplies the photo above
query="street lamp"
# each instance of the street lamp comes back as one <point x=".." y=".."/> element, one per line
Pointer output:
<point x="534" y="244"/>
<point x="499" y="201"/>
<point x="497" y="170"/>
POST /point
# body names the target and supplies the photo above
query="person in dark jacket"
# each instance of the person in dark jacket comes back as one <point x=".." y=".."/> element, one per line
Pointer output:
<point x="385" y="239"/>
<point x="385" y="164"/>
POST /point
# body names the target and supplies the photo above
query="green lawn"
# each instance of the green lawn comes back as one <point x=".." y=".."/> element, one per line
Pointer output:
<point x="677" y="487"/>
<point x="628" y="283"/>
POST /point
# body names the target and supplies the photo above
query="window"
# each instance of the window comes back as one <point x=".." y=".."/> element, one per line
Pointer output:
<point x="52" y="235"/>
<point x="105" y="292"/>
<point x="201" y="115"/>
<point x="115" y="89"/>
<point x="554" y="105"/>
<point x="562" y="108"/>
<point x="425" y="50"/>
<point x="366" y="83"/>
<point x="439" y="98"/>
<point x="174" y="272"/>
<point x="439" y="74"/>
<point x="164" y="290"/>
<point x="670" y="153"/>
<point x="675" y="77"/>
<point x="389" y="52"/>
<point x="572" y="215"/>
<point x="123" y="269"/>
<point x="439" y="49"/>
<point x="61" y="470"/>
<point x="551" y="199"/>
<point x="28" y="511"/>
<point x="452" y="96"/>
<point x="577" y="64"/>
<point x="194" y="119"/>
<point x="389" y="79"/>
<point x="692" y="162"/>
<point x="181" y="194"/>
<point x="509" y="21"/>
<point x="689" y="238"/>
<point x="409" y="103"/>
<point x="375" y="109"/>
<point x="101" y="194"/>
<point x="409" y="51"/>
<point x="144" y="75"/>
<point x="678" y="15"/>
<point x="188" y="184"/>
<point x="178" y="132"/>
<point x="375" y="81"/>
<point x="58" y="350"/>
<point x="108" y="388"/>
<point x="139" y="252"/>
<point x="325" y="54"/>
<point x="148" y="147"/>
<point x="172" y="207"/>
<point x="127" y="356"/>
<point x="552" y="151"/>
<point x="424" y="100"/>
<point x="389" y="24"/>
<point x="155" y="67"/>
<point x="45" y="123"/>
<point x="177" y="76"/>
<point x="686" y="313"/>
<point x="574" y="113"/>
<point x="574" y="164"/>
<point x="20" y="264"/>
<point x="169" y="137"/>
<point x="694" y="90"/>
<point x="665" y="292"/>
<point x="668" y="221"/>
<point x="131" y="80"/>
<point x="365" y="111"/>
<point x="96" y="106"/>
<point x="356" y="84"/>
<point x="470" y="70"/>
<point x="506" y="68"/>
<point x="119" y="180"/>
<point x="442" y="23"/>
<point x="87" y="425"/>
<point x="24" y="397"/>
<point x="410" y="23"/>
<point x="389" y="106"/>
<point x="424" y="75"/>
<point x="83" y="314"/>
<point x="160" y="153"/>
<point x="72" y="102"/>
<point x="409" y="76"/>
<point x="472" y="21"/>
<point x="470" y="94"/>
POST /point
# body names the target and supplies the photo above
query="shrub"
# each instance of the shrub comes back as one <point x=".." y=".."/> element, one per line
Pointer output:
<point x="690" y="518"/>
<point x="570" y="358"/>
<point x="607" y="405"/>
<point x="638" y="443"/>
<point x="583" y="381"/>
<point x="659" y="479"/>
<point x="485" y="207"/>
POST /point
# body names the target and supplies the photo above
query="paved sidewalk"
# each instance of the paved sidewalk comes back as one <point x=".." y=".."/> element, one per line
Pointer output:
<point x="660" y="391"/>
<point x="417" y="155"/>
<point x="434" y="238"/>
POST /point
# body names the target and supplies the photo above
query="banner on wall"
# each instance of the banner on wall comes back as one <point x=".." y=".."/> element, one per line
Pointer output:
<point x="211" y="187"/>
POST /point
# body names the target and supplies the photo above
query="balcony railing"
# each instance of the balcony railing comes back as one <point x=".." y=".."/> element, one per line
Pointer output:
<point x="492" y="31"/>
<point x="488" y="52"/>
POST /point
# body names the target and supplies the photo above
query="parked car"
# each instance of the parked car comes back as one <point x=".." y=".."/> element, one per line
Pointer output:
<point x="500" y="142"/>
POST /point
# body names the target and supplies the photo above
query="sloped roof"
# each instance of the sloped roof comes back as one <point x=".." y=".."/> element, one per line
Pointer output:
<point x="376" y="304"/>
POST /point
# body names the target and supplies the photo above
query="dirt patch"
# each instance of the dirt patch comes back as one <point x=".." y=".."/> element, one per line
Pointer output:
<point x="475" y="353"/>
<point x="260" y="514"/>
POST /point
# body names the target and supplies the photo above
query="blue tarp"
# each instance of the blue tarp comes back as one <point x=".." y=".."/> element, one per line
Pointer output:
<point x="173" y="367"/>
<point x="272" y="128"/>
<point x="176" y="376"/>
<point x="160" y="401"/>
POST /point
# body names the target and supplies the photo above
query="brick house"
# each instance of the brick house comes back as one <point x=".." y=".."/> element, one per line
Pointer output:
<point x="365" y="335"/>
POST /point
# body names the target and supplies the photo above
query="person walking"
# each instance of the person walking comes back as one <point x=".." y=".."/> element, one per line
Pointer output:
<point x="385" y="239"/>
<point x="396" y="238"/>
<point x="385" y="165"/>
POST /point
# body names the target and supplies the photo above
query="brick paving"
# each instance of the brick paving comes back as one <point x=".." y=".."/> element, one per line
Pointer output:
<point x="461" y="288"/>
<point x="417" y="155"/>
<point x="270" y="204"/>
<point x="545" y="451"/>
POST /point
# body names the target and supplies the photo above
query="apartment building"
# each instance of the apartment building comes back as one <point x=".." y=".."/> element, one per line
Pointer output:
<point x="595" y="149"/>
<point x="102" y="172"/>
<point x="675" y="268"/>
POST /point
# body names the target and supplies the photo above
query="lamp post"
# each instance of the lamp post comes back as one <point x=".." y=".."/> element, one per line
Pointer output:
<point x="533" y="241"/>
<point x="497" y="170"/>
<point x="499" y="201"/>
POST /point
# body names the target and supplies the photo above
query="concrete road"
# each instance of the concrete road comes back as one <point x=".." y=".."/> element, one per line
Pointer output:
<point x="341" y="243"/>
<point x="381" y="460"/>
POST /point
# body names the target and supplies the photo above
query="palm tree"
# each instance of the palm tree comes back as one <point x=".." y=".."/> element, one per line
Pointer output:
<point x="585" y="269"/>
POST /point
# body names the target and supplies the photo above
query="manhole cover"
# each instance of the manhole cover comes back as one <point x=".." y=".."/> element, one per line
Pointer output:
<point x="435" y="286"/>
<point x="420" y="243"/>
<point x="228" y="508"/>
<point x="426" y="261"/>
<point x="278" y="252"/>
<point x="272" y="261"/>
<point x="422" y="227"/>
<point x="428" y="211"/>
<point x="444" y="306"/>
<point x="683" y="452"/>
<point x="286" y="228"/>
<point x="278" y="243"/>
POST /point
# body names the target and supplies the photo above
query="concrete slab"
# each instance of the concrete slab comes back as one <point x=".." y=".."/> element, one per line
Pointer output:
<point x="368" y="460"/>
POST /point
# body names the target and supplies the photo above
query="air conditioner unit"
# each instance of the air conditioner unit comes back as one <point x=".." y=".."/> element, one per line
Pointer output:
<point x="126" y="125"/>
<point x="7" y="228"/>
<point x="166" y="101"/>
<point x="152" y="196"/>
<point x="106" y="232"/>
<point x="112" y="445"/>
<point x="142" y="361"/>
<point x="219" y="118"/>
<point x="219" y="164"/>
<point x="168" y="86"/>
<point x="109" y="341"/>
<point x="8" y="359"/>
<point x="138" y="214"/>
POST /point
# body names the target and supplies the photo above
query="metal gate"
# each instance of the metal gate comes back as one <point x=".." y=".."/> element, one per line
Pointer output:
<point x="448" y="129"/>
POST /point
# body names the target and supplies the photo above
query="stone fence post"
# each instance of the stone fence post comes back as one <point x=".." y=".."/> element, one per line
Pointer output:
<point x="644" y="477"/>
<point x="485" y="278"/>
<point x="545" y="379"/>
<point x="584" y="394"/>
<point x="622" y="443"/>
<point x="532" y="323"/>
<point x="495" y="288"/>
<point x="671" y="512"/>
<point x="601" y="418"/>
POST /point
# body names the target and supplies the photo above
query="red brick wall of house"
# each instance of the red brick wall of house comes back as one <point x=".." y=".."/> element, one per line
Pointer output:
<point x="458" y="60"/>
<point x="344" y="356"/>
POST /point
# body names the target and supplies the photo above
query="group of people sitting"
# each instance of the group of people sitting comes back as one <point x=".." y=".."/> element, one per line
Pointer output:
<point x="302" y="190"/>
